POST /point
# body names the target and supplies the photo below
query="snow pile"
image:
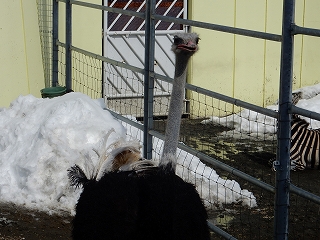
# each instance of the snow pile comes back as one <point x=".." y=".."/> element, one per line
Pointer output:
<point x="249" y="122"/>
<point x="41" y="138"/>
<point x="309" y="91"/>
<point x="211" y="187"/>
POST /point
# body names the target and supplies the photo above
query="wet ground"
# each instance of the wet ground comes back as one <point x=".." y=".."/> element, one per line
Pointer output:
<point x="246" y="153"/>
<point x="17" y="223"/>
<point x="251" y="154"/>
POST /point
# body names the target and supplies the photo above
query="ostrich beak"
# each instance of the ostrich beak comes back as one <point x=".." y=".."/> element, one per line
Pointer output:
<point x="189" y="46"/>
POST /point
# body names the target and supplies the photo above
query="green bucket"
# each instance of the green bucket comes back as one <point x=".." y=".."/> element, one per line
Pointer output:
<point x="51" y="92"/>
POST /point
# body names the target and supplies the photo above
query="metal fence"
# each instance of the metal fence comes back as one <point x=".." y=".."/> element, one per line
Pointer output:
<point x="44" y="8"/>
<point x="229" y="155"/>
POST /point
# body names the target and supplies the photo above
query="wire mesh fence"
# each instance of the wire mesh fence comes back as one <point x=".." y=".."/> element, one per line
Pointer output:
<point x="230" y="135"/>
<point x="44" y="8"/>
<point x="123" y="90"/>
<point x="61" y="66"/>
<point x="87" y="73"/>
<point x="239" y="207"/>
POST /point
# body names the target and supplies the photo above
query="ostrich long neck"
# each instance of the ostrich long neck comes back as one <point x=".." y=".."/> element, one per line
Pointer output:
<point x="175" y="111"/>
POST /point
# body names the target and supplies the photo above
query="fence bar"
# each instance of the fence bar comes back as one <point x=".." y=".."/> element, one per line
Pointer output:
<point x="162" y="32"/>
<point x="237" y="102"/>
<point x="205" y="158"/>
<point x="284" y="122"/>
<point x="219" y="231"/>
<point x="149" y="79"/>
<point x="221" y="28"/>
<point x="104" y="59"/>
<point x="137" y="97"/>
<point x="105" y="8"/>
<point x="306" y="31"/>
<point x="68" y="45"/>
<point x="304" y="112"/>
<point x="55" y="47"/>
<point x="305" y="194"/>
<point x="234" y="101"/>
<point x="224" y="98"/>
<point x="227" y="168"/>
<point x="126" y="119"/>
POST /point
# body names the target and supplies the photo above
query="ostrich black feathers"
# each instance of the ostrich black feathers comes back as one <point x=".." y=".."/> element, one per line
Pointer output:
<point x="154" y="204"/>
<point x="77" y="177"/>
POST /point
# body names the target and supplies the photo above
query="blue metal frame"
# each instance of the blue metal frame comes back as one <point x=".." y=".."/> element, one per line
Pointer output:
<point x="68" y="45"/>
<point x="284" y="126"/>
<point x="148" y="78"/>
<point x="55" y="47"/>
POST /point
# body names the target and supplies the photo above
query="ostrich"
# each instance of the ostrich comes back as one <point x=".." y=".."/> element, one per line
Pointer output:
<point x="137" y="199"/>
<point x="184" y="46"/>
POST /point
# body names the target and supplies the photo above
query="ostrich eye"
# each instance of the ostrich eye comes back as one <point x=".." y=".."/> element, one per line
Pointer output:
<point x="177" y="40"/>
<point x="197" y="40"/>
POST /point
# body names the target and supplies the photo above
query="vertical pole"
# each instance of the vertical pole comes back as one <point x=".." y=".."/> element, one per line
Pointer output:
<point x="103" y="49"/>
<point x="148" y="78"/>
<point x="284" y="127"/>
<point x="68" y="44"/>
<point x="55" y="37"/>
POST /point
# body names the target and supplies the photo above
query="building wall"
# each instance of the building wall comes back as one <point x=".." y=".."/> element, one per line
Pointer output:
<point x="86" y="26"/>
<point x="87" y="35"/>
<point x="21" y="70"/>
<point x="21" y="67"/>
<point x="238" y="66"/>
<point x="248" y="68"/>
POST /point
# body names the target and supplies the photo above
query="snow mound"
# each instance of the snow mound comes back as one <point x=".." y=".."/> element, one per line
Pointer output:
<point x="40" y="139"/>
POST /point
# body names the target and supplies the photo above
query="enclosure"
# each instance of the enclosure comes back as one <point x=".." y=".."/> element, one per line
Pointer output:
<point x="233" y="139"/>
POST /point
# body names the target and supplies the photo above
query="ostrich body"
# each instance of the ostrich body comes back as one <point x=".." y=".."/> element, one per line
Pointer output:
<point x="137" y="199"/>
<point x="184" y="46"/>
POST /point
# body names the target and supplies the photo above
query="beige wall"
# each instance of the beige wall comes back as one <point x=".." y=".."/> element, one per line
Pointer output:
<point x="87" y="35"/>
<point x="21" y="70"/>
<point x="307" y="57"/>
<point x="86" y="26"/>
<point x="248" y="68"/>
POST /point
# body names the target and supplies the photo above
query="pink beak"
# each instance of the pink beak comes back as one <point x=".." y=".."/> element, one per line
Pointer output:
<point x="189" y="46"/>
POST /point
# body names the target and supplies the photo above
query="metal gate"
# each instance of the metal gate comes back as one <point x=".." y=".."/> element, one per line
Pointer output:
<point x="124" y="41"/>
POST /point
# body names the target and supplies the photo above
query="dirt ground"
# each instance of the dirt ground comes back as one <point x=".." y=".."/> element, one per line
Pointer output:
<point x="250" y="155"/>
<point x="17" y="223"/>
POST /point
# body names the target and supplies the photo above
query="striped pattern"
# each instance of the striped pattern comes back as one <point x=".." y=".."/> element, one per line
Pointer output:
<point x="305" y="145"/>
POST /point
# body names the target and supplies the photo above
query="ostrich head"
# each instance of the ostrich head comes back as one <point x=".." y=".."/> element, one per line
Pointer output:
<point x="186" y="43"/>
<point x="184" y="46"/>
